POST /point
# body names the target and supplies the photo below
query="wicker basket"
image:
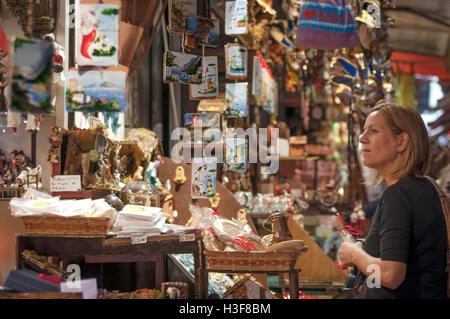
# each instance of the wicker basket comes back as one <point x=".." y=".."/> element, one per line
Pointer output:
<point x="66" y="226"/>
<point x="250" y="262"/>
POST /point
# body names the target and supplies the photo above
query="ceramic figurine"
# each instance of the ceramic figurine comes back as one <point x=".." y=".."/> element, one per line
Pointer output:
<point x="137" y="176"/>
<point x="168" y="206"/>
<point x="180" y="177"/>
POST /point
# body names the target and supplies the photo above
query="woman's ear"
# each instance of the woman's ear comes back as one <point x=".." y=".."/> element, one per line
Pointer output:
<point x="403" y="141"/>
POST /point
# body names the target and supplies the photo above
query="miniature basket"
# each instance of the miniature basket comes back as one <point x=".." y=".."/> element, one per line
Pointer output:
<point x="66" y="226"/>
<point x="250" y="262"/>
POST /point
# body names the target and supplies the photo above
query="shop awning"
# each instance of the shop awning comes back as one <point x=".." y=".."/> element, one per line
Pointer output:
<point x="403" y="62"/>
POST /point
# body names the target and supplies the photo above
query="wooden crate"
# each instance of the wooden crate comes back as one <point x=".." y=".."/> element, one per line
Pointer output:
<point x="250" y="262"/>
<point x="66" y="226"/>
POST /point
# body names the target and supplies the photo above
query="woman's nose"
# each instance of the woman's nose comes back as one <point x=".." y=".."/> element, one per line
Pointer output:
<point x="363" y="138"/>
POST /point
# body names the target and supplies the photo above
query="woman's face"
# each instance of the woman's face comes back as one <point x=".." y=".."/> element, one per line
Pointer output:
<point x="380" y="145"/>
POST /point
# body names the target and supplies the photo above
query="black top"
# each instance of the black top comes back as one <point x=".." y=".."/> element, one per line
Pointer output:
<point x="409" y="227"/>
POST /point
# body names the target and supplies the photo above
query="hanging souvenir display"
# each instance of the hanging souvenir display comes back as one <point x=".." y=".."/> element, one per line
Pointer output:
<point x="182" y="16"/>
<point x="204" y="172"/>
<point x="326" y="25"/>
<point x="210" y="81"/>
<point x="236" y="17"/>
<point x="97" y="35"/>
<point x="32" y="65"/>
<point x="235" y="155"/>
<point x="208" y="125"/>
<point x="96" y="91"/>
<point x="235" y="61"/>
<point x="236" y="100"/>
<point x="182" y="68"/>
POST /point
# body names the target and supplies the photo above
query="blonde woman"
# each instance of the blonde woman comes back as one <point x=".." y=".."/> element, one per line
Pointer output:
<point x="404" y="254"/>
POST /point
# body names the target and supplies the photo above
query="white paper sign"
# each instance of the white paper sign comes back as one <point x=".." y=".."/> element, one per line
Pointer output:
<point x="186" y="237"/>
<point x="138" y="240"/>
<point x="86" y="286"/>
<point x="65" y="183"/>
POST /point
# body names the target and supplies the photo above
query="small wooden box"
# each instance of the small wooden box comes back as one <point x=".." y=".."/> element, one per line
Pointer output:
<point x="297" y="145"/>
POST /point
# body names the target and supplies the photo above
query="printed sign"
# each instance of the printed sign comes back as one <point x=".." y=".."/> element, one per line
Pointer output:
<point x="65" y="183"/>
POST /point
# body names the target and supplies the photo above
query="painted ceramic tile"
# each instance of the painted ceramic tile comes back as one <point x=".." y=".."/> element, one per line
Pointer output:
<point x="236" y="17"/>
<point x="96" y="91"/>
<point x="236" y="100"/>
<point x="271" y="103"/>
<point x="235" y="155"/>
<point x="97" y="35"/>
<point x="257" y="80"/>
<point x="214" y="33"/>
<point x="208" y="124"/>
<point x="210" y="81"/>
<point x="182" y="68"/>
<point x="202" y="120"/>
<point x="236" y="61"/>
<point x="204" y="174"/>
<point x="32" y="72"/>
<point x="183" y="15"/>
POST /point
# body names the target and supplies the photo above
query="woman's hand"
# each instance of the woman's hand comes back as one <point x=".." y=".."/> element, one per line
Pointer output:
<point x="346" y="253"/>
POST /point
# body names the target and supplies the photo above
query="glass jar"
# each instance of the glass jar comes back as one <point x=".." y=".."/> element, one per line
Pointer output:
<point x="140" y="193"/>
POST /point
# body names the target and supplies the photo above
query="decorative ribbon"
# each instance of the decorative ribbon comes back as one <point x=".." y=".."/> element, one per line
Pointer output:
<point x="348" y="228"/>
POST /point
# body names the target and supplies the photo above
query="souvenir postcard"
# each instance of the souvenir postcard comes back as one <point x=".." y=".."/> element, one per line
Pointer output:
<point x="182" y="68"/>
<point x="236" y="17"/>
<point x="208" y="123"/>
<point x="32" y="73"/>
<point x="235" y="155"/>
<point x="183" y="16"/>
<point x="236" y="61"/>
<point x="204" y="174"/>
<point x="236" y="100"/>
<point x="210" y="81"/>
<point x="97" y="35"/>
<point x="96" y="91"/>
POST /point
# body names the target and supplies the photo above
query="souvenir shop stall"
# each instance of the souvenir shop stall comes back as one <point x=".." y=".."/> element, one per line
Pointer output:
<point x="187" y="149"/>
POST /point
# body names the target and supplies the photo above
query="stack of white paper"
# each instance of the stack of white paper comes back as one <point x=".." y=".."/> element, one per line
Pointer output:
<point x="138" y="220"/>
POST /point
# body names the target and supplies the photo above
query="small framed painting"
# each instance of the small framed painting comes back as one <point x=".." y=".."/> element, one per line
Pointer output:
<point x="236" y="17"/>
<point x="235" y="155"/>
<point x="32" y="73"/>
<point x="235" y="61"/>
<point x="182" y="68"/>
<point x="183" y="16"/>
<point x="208" y="125"/>
<point x="204" y="174"/>
<point x="97" y="35"/>
<point x="96" y="91"/>
<point x="236" y="100"/>
<point x="210" y="81"/>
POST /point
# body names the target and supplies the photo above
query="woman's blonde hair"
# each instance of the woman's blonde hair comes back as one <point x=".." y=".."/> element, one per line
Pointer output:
<point x="415" y="159"/>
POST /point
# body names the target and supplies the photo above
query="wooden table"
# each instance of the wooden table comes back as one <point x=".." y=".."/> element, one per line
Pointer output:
<point x="116" y="250"/>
